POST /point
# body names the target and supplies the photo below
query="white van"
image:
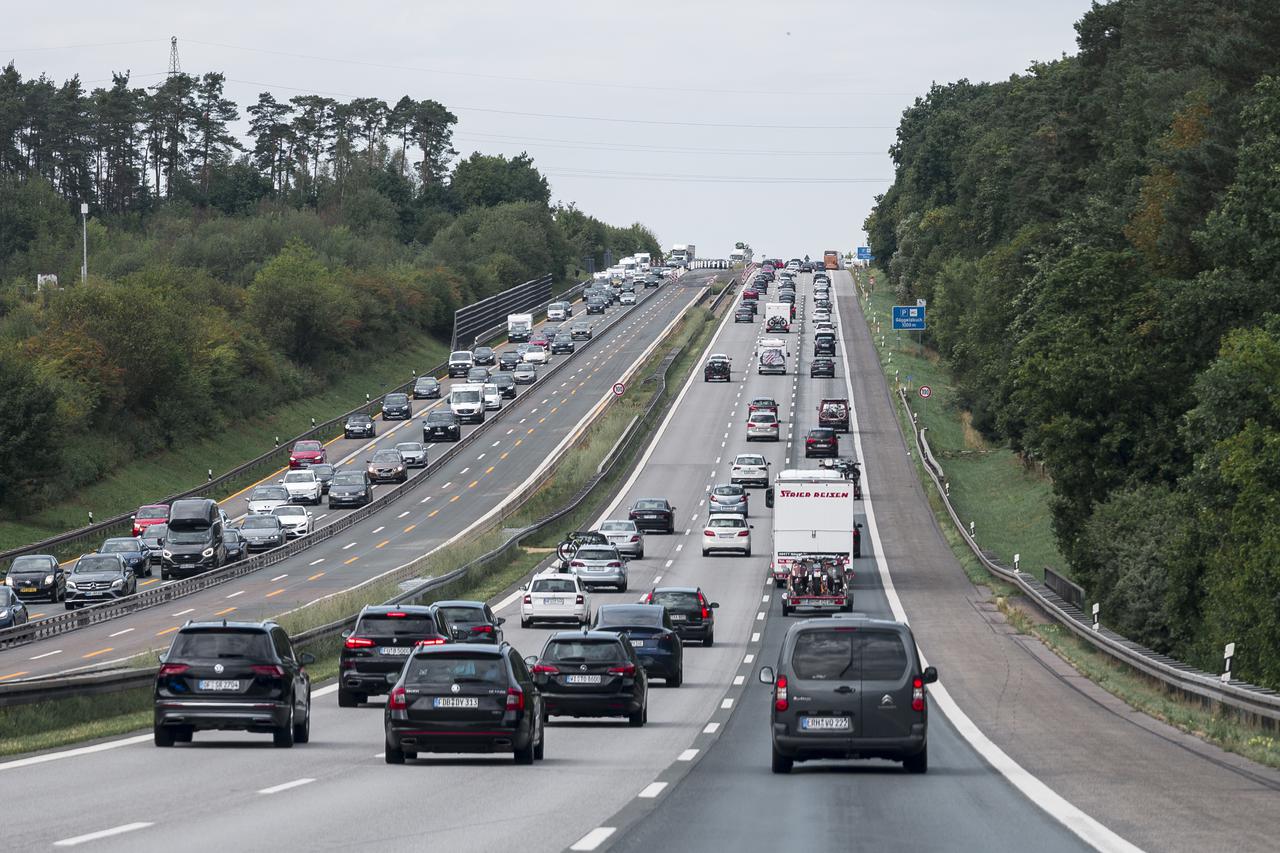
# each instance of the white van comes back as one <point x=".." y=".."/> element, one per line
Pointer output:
<point x="467" y="402"/>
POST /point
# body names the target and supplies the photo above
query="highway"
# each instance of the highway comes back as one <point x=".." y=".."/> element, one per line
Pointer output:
<point x="1024" y="755"/>
<point x="459" y="492"/>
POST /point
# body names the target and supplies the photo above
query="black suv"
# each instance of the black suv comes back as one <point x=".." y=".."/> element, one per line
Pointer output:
<point x="849" y="687"/>
<point x="380" y="643"/>
<point x="471" y="621"/>
<point x="692" y="615"/>
<point x="592" y="674"/>
<point x="243" y="676"/>
<point x="596" y="305"/>
<point x="822" y="367"/>
<point x="33" y="575"/>
<point x="464" y="698"/>
<point x="441" y="425"/>
<point x="395" y="407"/>
<point x="506" y="385"/>
<point x="359" y="426"/>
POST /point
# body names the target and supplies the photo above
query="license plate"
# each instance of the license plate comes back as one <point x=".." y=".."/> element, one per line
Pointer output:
<point x="826" y="723"/>
<point x="216" y="684"/>
<point x="637" y="643"/>
<point x="402" y="651"/>
<point x="27" y="589"/>
<point x="679" y="617"/>
<point x="582" y="679"/>
<point x="455" y="702"/>
<point x="553" y="601"/>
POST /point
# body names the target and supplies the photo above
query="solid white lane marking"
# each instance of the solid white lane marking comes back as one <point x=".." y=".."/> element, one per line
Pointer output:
<point x="594" y="838"/>
<point x="71" y="753"/>
<point x="652" y="790"/>
<point x="104" y="833"/>
<point x="118" y="633"/>
<point x="688" y="755"/>
<point x="284" y="786"/>
<point x="710" y="728"/>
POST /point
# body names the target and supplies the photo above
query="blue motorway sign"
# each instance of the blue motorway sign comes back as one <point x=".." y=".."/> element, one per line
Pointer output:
<point x="864" y="254"/>
<point x="908" y="318"/>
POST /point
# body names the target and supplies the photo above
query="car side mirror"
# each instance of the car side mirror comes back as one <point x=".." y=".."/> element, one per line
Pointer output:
<point x="857" y="524"/>
<point x="162" y="657"/>
<point x="306" y="658"/>
<point x="713" y="605"/>
<point x="766" y="675"/>
<point x="280" y="481"/>
<point x="930" y="675"/>
<point x="346" y="633"/>
<point x="501" y="620"/>
<point x="751" y="527"/>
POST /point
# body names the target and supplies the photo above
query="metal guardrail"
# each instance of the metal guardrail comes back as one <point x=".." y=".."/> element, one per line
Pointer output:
<point x="76" y="619"/>
<point x="1260" y="705"/>
<point x="470" y="321"/>
<point x="112" y="681"/>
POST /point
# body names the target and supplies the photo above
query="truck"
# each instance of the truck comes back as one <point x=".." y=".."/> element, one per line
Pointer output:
<point x="813" y="517"/>
<point x="519" y="327"/>
<point x="777" y="317"/>
<point x="831" y="259"/>
<point x="643" y="261"/>
<point x="681" y="254"/>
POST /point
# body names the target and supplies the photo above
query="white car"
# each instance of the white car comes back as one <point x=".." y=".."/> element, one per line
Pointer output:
<point x="302" y="485"/>
<point x="627" y="298"/>
<point x="414" y="454"/>
<point x="821" y="316"/>
<point x="265" y="499"/>
<point x="749" y="469"/>
<point x="295" y="520"/>
<point x="773" y="343"/>
<point x="492" y="397"/>
<point x="555" y="597"/>
<point x="535" y="355"/>
<point x="726" y="532"/>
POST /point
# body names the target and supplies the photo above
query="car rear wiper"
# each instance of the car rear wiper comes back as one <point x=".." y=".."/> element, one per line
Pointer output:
<point x="572" y="660"/>
<point x="470" y="679"/>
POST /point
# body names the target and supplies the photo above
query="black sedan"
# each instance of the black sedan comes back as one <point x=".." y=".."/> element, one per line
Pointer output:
<point x="692" y="615"/>
<point x="12" y="611"/>
<point x="350" y="488"/>
<point x="508" y="359"/>
<point x="654" y="515"/>
<point x="396" y="407"/>
<point x="822" y="367"/>
<point x="652" y="637"/>
<point x="744" y="315"/>
<point x="426" y="388"/>
<point x="592" y="674"/>
<point x="359" y="425"/>
<point x="237" y="547"/>
<point x="472" y="621"/>
<point x="441" y="426"/>
<point x="483" y="355"/>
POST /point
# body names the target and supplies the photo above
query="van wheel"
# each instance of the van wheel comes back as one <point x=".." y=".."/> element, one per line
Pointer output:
<point x="918" y="763"/>
<point x="781" y="764"/>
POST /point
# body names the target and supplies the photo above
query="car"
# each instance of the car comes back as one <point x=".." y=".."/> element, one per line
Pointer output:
<point x="324" y="474"/>
<point x="580" y="331"/>
<point x="834" y="413"/>
<point x="623" y="534"/>
<point x="821" y="315"/>
<point x="262" y="532"/>
<point x="506" y="385"/>
<point x="728" y="497"/>
<point x="653" y="514"/>
<point x="492" y="397"/>
<point x="441" y="425"/>
<point x="264" y="499"/>
<point x="772" y="361"/>
<point x="592" y="674"/>
<point x="559" y="311"/>
<point x="726" y="532"/>
<point x="39" y="576"/>
<point x="471" y="621"/>
<point x="147" y="515"/>
<point x="628" y="297"/>
<point x="242" y="676"/>
<point x="464" y="698"/>
<point x="749" y="469"/>
<point x="535" y="355"/>
<point x="692" y="614"/>
<point x="563" y="343"/>
<point x="652" y="635"/>
<point x="307" y="452"/>
<point x="541" y="339"/>
<point x="303" y="486"/>
<point x="525" y="374"/>
<point x="762" y="425"/>
<point x="378" y="644"/>
<point x="599" y="565"/>
<point x="822" y="368"/>
<point x="483" y="355"/>
<point x="750" y="294"/>
<point x="295" y="520"/>
<point x="508" y="359"/>
<point x="13" y="612"/>
<point x="744" y="315"/>
<point x="426" y="388"/>
<point x="359" y="425"/>
<point x="154" y="537"/>
<point x="821" y="442"/>
<point x="386" y="466"/>
<point x="134" y="552"/>
<point x="396" y="407"/>
<point x="819" y="708"/>
<point x="460" y="361"/>
<point x="824" y="343"/>
<point x="717" y="368"/>
<point x="478" y="375"/>
<point x="237" y="546"/>
<point x="596" y="305"/>
<point x="99" y="577"/>
<point x="553" y="596"/>
<point x="350" y="488"/>
<point x="761" y="404"/>
<point x="569" y="545"/>
<point x="414" y="453"/>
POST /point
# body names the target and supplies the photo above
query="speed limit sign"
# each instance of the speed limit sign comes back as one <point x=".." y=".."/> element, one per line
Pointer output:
<point x="618" y="388"/>
<point x="925" y="392"/>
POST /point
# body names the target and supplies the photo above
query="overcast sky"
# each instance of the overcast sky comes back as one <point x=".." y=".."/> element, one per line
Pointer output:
<point x="710" y="122"/>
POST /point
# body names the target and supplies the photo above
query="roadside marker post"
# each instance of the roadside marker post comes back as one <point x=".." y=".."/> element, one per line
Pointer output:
<point x="1096" y="608"/>
<point x="1227" y="654"/>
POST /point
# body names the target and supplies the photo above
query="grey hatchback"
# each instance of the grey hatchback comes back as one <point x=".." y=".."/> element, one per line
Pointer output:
<point x="849" y="687"/>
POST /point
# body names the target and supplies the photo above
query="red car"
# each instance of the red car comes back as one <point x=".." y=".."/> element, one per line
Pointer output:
<point x="762" y="404"/>
<point x="149" y="515"/>
<point x="750" y="295"/>
<point x="307" y="453"/>
<point x="541" y="339"/>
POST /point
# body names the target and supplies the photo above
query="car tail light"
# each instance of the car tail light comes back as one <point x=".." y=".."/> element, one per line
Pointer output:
<point x="397" y="700"/>
<point x="577" y="564"/>
<point x="751" y="424"/>
<point x="396" y="614"/>
<point x="268" y="669"/>
<point x="545" y="669"/>
<point x="744" y="532"/>
<point x="482" y="629"/>
<point x="631" y="514"/>
<point x="917" y="694"/>
<point x="579" y="599"/>
<point x="173" y="669"/>
<point x="628" y="669"/>
<point x="810" y="440"/>
<point x="706" y="614"/>
<point x="780" y="693"/>
<point x="635" y="538"/>
<point x="614" y="564"/>
<point x="431" y="641"/>
<point x="358" y="643"/>
<point x="708" y="533"/>
<point x="528" y="599"/>
<point x="515" y="699"/>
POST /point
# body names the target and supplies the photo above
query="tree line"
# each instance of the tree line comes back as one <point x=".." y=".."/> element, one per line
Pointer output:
<point x="1099" y="243"/>
<point x="228" y="275"/>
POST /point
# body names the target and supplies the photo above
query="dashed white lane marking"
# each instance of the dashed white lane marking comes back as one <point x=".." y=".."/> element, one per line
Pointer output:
<point x="748" y="658"/>
<point x="726" y="704"/>
<point x="668" y="565"/>
<point x="688" y="755"/>
<point x="379" y="529"/>
<point x="760" y="616"/>
<point x="348" y="546"/>
<point x="280" y="577"/>
<point x="764" y="598"/>
<point x="118" y="633"/>
<point x="710" y="728"/>
<point x="47" y="654"/>
<point x="594" y="838"/>
<point x="102" y="833"/>
<point x="284" y="786"/>
<point x="738" y="679"/>
<point x="652" y="790"/>
<point x="185" y="612"/>
<point x="755" y="637"/>
<point x="679" y="547"/>
<point x="234" y="594"/>
<point x="313" y="562"/>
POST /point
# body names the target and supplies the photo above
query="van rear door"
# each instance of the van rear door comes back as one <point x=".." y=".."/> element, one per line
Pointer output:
<point x="825" y="693"/>
<point x="887" y="669"/>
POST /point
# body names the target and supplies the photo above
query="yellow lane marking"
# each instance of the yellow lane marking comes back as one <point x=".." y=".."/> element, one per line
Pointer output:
<point x="275" y="592"/>
<point x="452" y="499"/>
<point x="316" y="575"/>
<point x="382" y="544"/>
<point x="224" y="612"/>
<point x="503" y="456"/>
<point x="410" y="527"/>
<point x="349" y="562"/>
<point x="99" y="652"/>
<point x="12" y="675"/>
<point x="166" y="631"/>
<point x="519" y="441"/>
<point x="489" y="470"/>
<point x="432" y="514"/>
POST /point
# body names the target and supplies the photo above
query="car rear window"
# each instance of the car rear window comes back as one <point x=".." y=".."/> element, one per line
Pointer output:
<point x="884" y="656"/>
<point x="750" y="460"/>
<point x="651" y="505"/>
<point x="718" y="521"/>
<point x="348" y="478"/>
<point x="464" y="615"/>
<point x="826" y="655"/>
<point x="732" y="491"/>
<point x="635" y="614"/>
<point x="407" y="625"/>
<point x="764" y="418"/>
<point x="269" y="493"/>
<point x="673" y="598"/>
<point x="254" y="645"/>
<point x="153" y="512"/>
<point x="426" y="670"/>
<point x="588" y="553"/>
<point x="618" y="526"/>
<point x="584" y="651"/>
<point x="91" y="563"/>
<point x="553" y="585"/>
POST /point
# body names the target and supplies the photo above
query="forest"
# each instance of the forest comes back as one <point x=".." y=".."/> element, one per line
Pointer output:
<point x="226" y="275"/>
<point x="1098" y="240"/>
